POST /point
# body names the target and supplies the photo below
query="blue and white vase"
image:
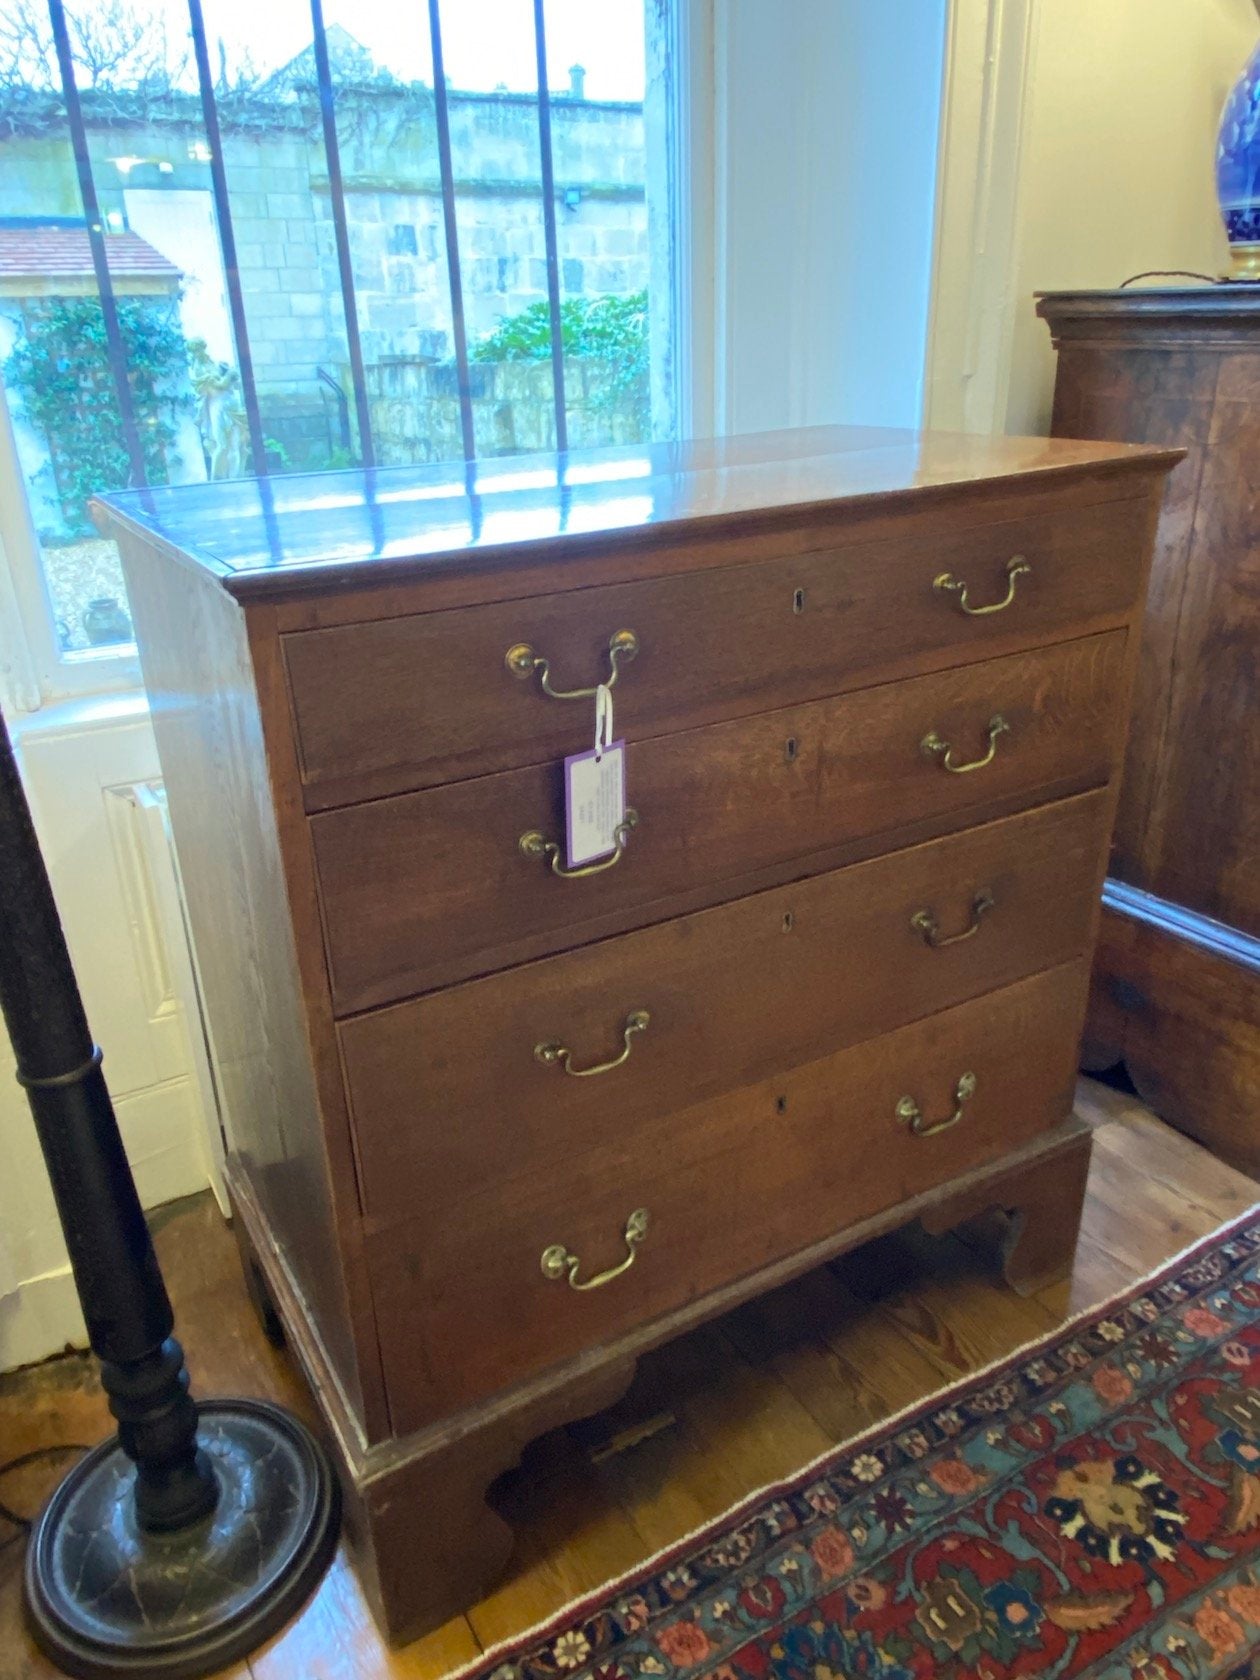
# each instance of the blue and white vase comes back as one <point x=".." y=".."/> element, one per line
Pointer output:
<point x="1238" y="171"/>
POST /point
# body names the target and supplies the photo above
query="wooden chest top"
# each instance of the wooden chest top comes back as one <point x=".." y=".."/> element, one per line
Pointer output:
<point x="291" y="536"/>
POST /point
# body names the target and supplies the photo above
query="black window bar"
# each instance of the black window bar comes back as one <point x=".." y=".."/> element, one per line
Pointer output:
<point x="341" y="229"/>
<point x="97" y="238"/>
<point x="114" y="347"/>
<point x="549" y="228"/>
<point x="458" y="334"/>
<point x="227" y="241"/>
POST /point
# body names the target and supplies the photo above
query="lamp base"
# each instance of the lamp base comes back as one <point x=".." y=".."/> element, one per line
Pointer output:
<point x="104" y="1597"/>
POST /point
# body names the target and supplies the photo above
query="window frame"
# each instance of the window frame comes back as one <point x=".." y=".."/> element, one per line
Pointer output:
<point x="34" y="670"/>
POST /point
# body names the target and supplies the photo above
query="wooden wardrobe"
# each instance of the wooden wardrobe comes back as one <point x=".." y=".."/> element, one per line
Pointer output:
<point x="1176" y="993"/>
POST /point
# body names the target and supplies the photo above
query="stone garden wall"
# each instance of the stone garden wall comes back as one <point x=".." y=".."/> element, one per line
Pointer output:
<point x="415" y="409"/>
<point x="278" y="186"/>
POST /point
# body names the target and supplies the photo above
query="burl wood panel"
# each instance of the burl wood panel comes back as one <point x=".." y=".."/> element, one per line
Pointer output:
<point x="1207" y="807"/>
<point x="441" y="704"/>
<point x="733" y="994"/>
<point x="729" y="1186"/>
<point x="1108" y="391"/>
<point x="1176" y="992"/>
<point x="431" y="887"/>
<point x="1188" y="827"/>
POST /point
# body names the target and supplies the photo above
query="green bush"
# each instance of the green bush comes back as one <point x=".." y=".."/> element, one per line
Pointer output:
<point x="613" y="330"/>
<point x="61" y="371"/>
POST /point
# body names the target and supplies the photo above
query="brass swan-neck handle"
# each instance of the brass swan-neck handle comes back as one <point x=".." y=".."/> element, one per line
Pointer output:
<point x="933" y="746"/>
<point x="558" y="1262"/>
<point x="522" y="661"/>
<point x="909" y="1112"/>
<point x="925" y="924"/>
<point x="947" y="584"/>
<point x="535" y="844"/>
<point x="551" y="1055"/>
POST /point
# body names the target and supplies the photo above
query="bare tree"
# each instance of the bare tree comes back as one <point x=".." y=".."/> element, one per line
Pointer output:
<point x="116" y="47"/>
<point x="26" y="46"/>
<point x="122" y="48"/>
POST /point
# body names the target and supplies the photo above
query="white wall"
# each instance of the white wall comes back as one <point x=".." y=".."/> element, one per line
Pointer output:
<point x="1079" y="149"/>
<point x="181" y="223"/>
<point x="824" y="137"/>
<point x="1118" y="160"/>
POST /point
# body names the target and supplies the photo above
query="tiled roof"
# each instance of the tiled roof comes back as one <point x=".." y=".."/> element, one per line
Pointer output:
<point x="65" y="252"/>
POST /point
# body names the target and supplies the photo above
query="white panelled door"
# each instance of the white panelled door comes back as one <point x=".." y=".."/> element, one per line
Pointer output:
<point x="91" y="776"/>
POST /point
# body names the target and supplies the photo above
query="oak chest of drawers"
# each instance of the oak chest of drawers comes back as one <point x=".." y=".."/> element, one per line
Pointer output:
<point x="495" y="1128"/>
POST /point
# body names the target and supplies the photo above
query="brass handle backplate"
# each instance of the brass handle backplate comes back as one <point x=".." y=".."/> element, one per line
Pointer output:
<point x="535" y="844"/>
<point x="947" y="584"/>
<point x="924" y="922"/>
<point x="522" y="661"/>
<point x="550" y="1054"/>
<point x="932" y="746"/>
<point x="911" y="1114"/>
<point x="557" y="1262"/>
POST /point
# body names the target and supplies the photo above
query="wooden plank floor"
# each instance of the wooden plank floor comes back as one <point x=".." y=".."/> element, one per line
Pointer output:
<point x="748" y="1399"/>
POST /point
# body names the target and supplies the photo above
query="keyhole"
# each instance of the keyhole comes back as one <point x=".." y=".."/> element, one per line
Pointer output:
<point x="780" y="1105"/>
<point x="789" y="921"/>
<point x="789" y="748"/>
<point x="798" y="600"/>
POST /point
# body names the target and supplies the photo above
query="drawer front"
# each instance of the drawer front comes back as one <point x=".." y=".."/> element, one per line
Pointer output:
<point x="411" y="702"/>
<point x="730" y="995"/>
<point x="429" y="888"/>
<point x="729" y="1186"/>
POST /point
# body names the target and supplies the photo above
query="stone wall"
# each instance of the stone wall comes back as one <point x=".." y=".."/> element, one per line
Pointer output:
<point x="278" y="186"/>
<point x="415" y="409"/>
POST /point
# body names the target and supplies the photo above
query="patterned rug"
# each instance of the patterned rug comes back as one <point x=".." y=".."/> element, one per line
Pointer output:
<point x="1089" y="1507"/>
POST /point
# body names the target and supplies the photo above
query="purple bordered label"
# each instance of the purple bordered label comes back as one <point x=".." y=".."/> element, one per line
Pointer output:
<point x="594" y="802"/>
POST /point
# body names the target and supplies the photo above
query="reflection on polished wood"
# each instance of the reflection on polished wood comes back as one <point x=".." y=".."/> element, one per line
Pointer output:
<point x="754" y="1395"/>
<point x="325" y="524"/>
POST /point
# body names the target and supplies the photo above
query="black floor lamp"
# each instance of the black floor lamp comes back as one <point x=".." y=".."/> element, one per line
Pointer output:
<point x="183" y="1542"/>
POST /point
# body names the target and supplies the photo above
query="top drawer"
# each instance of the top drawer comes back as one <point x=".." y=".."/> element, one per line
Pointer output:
<point x="412" y="702"/>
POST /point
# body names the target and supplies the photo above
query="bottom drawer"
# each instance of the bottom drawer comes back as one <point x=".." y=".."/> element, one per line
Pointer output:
<point x="465" y="1308"/>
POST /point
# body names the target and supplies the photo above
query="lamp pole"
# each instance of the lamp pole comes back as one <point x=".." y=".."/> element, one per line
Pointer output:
<point x="181" y="1543"/>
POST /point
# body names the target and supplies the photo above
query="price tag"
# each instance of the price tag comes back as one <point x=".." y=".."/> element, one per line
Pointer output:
<point x="595" y="790"/>
<point x="594" y="801"/>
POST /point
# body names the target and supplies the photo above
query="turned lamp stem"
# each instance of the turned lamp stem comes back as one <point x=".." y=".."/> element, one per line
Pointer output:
<point x="125" y="1304"/>
<point x="175" y="1548"/>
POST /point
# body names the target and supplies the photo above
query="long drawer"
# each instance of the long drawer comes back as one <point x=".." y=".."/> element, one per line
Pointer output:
<point x="502" y="1074"/>
<point x="430" y="888"/>
<point x="403" y="703"/>
<point x="465" y="1307"/>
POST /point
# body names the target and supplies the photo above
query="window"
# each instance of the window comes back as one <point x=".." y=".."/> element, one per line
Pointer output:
<point x="306" y="234"/>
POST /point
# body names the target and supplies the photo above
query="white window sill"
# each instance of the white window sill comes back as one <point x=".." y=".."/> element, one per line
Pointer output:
<point x="79" y="714"/>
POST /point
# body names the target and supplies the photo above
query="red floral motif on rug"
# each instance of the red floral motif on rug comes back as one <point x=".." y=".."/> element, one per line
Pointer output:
<point x="1089" y="1508"/>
